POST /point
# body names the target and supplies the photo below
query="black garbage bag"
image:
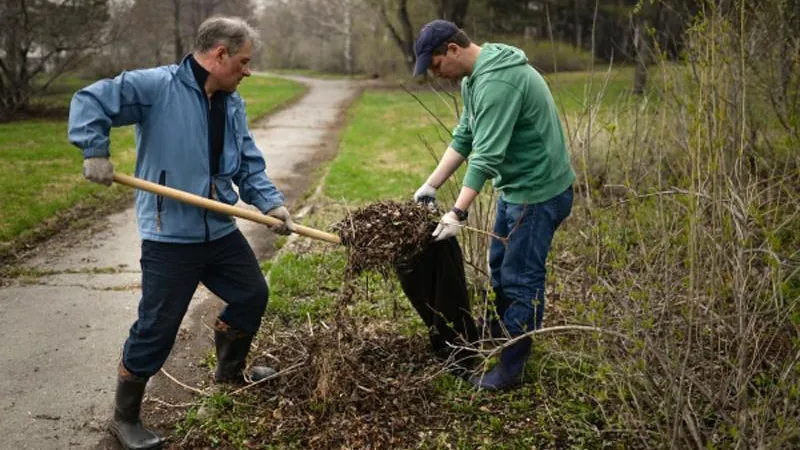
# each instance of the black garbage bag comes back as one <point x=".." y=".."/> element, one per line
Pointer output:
<point x="435" y="283"/>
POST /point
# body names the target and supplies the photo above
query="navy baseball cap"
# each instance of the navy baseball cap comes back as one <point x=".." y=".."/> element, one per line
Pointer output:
<point x="431" y="36"/>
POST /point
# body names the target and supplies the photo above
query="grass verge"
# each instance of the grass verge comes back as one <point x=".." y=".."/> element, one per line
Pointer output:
<point x="44" y="190"/>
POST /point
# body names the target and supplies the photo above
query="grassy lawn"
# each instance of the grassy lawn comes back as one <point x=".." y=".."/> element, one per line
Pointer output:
<point x="44" y="171"/>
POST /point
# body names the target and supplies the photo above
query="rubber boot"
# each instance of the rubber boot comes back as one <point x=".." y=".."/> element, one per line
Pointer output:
<point x="507" y="374"/>
<point x="126" y="425"/>
<point x="232" y="348"/>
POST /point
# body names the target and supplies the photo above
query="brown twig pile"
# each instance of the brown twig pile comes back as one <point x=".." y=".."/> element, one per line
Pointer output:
<point x="384" y="234"/>
<point x="362" y="388"/>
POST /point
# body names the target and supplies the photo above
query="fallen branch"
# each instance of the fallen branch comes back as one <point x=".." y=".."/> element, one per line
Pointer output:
<point x="188" y="388"/>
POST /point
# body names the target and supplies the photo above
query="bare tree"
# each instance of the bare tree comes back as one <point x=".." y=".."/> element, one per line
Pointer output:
<point x="402" y="31"/>
<point x="176" y="32"/>
<point x="453" y="10"/>
<point x="194" y="12"/>
<point x="40" y="40"/>
<point x="327" y="18"/>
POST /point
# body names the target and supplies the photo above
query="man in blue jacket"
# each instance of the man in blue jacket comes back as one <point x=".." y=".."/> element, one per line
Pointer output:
<point x="192" y="135"/>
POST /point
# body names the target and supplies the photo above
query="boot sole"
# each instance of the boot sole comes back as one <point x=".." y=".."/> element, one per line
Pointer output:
<point x="114" y="429"/>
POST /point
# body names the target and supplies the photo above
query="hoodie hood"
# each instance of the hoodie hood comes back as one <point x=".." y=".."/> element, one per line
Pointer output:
<point x="496" y="57"/>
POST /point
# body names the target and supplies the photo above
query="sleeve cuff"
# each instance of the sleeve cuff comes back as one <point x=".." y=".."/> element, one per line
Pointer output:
<point x="461" y="148"/>
<point x="474" y="178"/>
<point x="99" y="152"/>
<point x="266" y="205"/>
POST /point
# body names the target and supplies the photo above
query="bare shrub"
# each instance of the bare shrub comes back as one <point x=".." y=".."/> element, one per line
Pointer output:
<point x="697" y="261"/>
<point x="683" y="244"/>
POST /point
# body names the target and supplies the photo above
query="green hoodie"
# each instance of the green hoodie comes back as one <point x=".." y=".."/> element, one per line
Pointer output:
<point x="510" y="129"/>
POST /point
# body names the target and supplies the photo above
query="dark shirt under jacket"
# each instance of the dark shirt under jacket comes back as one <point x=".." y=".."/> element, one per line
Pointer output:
<point x="216" y="115"/>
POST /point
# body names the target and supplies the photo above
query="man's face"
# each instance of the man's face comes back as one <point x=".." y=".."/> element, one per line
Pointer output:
<point x="229" y="70"/>
<point x="448" y="66"/>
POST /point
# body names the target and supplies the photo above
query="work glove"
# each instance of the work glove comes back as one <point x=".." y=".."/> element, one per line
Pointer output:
<point x="449" y="226"/>
<point x="281" y="213"/>
<point x="425" y="194"/>
<point x="98" y="170"/>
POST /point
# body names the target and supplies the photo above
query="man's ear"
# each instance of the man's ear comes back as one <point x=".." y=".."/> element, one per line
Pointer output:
<point x="219" y="53"/>
<point x="453" y="47"/>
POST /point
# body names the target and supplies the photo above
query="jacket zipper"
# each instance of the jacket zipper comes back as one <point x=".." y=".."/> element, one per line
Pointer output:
<point x="162" y="180"/>
<point x="210" y="165"/>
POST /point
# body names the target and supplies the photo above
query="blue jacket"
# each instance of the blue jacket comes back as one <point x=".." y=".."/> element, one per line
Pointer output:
<point x="170" y="111"/>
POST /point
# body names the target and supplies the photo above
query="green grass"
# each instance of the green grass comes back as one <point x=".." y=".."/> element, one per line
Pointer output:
<point x="392" y="163"/>
<point x="574" y="91"/>
<point x="43" y="170"/>
<point x="317" y="74"/>
<point x="43" y="173"/>
<point x="389" y="164"/>
<point x="265" y="94"/>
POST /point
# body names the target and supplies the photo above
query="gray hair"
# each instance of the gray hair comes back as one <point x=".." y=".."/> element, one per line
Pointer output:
<point x="230" y="32"/>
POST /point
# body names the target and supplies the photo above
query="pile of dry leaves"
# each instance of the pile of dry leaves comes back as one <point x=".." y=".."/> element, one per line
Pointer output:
<point x="360" y="388"/>
<point x="385" y="233"/>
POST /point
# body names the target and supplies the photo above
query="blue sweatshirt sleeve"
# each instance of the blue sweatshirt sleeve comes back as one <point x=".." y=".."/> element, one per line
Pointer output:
<point x="255" y="187"/>
<point x="124" y="100"/>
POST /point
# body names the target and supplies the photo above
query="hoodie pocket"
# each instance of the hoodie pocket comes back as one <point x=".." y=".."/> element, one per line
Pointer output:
<point x="162" y="180"/>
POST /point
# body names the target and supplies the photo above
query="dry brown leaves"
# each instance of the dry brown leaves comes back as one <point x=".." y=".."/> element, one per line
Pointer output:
<point x="365" y="387"/>
<point x="385" y="233"/>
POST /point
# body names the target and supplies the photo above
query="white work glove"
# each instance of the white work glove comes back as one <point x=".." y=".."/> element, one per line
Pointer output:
<point x="283" y="214"/>
<point x="449" y="226"/>
<point x="98" y="170"/>
<point x="425" y="194"/>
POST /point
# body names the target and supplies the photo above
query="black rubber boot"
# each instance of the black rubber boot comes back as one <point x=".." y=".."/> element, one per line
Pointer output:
<point x="126" y="425"/>
<point x="232" y="348"/>
<point x="507" y="374"/>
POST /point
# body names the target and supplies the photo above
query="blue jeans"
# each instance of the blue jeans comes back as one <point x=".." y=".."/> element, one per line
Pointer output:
<point x="170" y="275"/>
<point x="518" y="267"/>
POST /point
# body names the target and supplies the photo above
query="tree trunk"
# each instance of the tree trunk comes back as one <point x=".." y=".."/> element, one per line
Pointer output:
<point x="404" y="38"/>
<point x="348" y="37"/>
<point x="453" y="10"/>
<point x="177" y="37"/>
<point x="577" y="23"/>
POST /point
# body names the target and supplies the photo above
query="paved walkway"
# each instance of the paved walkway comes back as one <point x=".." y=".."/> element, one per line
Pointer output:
<point x="62" y="332"/>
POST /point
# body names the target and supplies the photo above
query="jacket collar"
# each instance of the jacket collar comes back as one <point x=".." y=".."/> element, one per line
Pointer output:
<point x="186" y="75"/>
<point x="194" y="75"/>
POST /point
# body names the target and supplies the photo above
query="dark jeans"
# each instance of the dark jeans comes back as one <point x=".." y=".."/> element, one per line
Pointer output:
<point x="170" y="275"/>
<point x="518" y="267"/>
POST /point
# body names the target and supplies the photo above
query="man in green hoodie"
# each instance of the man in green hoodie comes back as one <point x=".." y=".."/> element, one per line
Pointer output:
<point x="511" y="132"/>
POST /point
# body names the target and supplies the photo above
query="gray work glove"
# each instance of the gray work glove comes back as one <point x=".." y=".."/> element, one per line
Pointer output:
<point x="425" y="194"/>
<point x="449" y="226"/>
<point x="283" y="214"/>
<point x="98" y="170"/>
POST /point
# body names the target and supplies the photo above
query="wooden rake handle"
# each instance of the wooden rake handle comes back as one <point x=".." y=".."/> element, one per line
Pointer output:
<point x="220" y="207"/>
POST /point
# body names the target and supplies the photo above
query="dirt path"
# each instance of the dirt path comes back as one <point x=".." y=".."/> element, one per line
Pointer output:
<point x="62" y="327"/>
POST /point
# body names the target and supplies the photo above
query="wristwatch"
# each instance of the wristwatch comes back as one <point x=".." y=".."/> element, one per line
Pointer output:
<point x="460" y="213"/>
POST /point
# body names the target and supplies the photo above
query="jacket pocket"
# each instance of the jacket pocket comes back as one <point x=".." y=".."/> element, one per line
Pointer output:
<point x="162" y="180"/>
